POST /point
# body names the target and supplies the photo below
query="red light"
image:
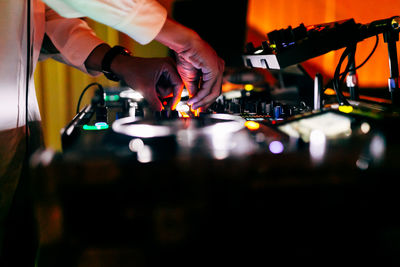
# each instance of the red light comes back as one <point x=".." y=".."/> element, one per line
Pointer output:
<point x="165" y="103"/>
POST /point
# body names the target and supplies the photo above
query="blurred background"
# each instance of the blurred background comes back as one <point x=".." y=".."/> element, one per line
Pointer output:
<point x="58" y="86"/>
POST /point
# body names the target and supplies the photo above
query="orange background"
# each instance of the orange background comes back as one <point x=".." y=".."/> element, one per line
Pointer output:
<point x="265" y="16"/>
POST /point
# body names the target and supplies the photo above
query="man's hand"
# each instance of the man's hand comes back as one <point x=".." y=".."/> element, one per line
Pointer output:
<point x="152" y="77"/>
<point x="198" y="64"/>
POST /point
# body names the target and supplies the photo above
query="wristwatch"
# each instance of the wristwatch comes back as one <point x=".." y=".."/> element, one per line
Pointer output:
<point x="109" y="57"/>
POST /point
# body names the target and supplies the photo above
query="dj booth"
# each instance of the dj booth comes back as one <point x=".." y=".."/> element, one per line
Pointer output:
<point x="254" y="180"/>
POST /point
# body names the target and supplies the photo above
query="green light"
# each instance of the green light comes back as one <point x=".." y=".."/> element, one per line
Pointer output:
<point x="96" y="127"/>
<point x="111" y="98"/>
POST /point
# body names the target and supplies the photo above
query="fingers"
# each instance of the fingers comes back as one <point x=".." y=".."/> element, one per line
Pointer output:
<point x="153" y="100"/>
<point x="210" y="88"/>
<point x="189" y="74"/>
<point x="209" y="91"/>
<point x="173" y="83"/>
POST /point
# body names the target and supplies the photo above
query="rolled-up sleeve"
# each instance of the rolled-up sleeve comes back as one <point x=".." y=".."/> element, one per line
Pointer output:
<point x="73" y="38"/>
<point x="142" y="20"/>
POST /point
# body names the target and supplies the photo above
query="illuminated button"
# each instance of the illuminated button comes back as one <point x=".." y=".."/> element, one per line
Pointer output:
<point x="248" y="87"/>
<point x="252" y="125"/>
<point x="365" y="127"/>
<point x="111" y="98"/>
<point x="276" y="147"/>
<point x="97" y="126"/>
<point x="346" y="109"/>
<point x="329" y="91"/>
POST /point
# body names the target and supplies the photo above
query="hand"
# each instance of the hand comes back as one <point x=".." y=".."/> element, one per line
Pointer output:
<point x="152" y="77"/>
<point x="201" y="71"/>
<point x="198" y="64"/>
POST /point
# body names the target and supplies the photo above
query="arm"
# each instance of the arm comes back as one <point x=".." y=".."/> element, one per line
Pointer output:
<point x="81" y="48"/>
<point x="140" y="19"/>
<point x="143" y="20"/>
<point x="152" y="77"/>
<point x="73" y="38"/>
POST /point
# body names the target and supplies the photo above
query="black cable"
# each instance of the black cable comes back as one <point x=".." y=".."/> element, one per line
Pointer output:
<point x="336" y="82"/>
<point x="27" y="78"/>
<point x="83" y="92"/>
<point x="369" y="56"/>
<point x="338" y="77"/>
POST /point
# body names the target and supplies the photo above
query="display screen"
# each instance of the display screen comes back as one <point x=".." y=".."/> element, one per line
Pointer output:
<point x="331" y="124"/>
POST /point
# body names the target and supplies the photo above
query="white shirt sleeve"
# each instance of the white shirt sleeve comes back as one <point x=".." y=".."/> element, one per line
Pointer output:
<point x="142" y="20"/>
<point x="73" y="38"/>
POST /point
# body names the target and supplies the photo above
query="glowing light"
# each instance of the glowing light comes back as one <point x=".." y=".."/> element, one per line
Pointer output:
<point x="377" y="147"/>
<point x="252" y="125"/>
<point x="365" y="127"/>
<point x="248" y="87"/>
<point x="329" y="91"/>
<point x="346" y="109"/>
<point x="111" y="98"/>
<point x="101" y="124"/>
<point x="184" y="114"/>
<point x="132" y="94"/>
<point x="362" y="164"/>
<point x="135" y="145"/>
<point x="196" y="112"/>
<point x="317" y="144"/>
<point x="182" y="107"/>
<point x="97" y="126"/>
<point x="276" y="147"/>
<point x="144" y="155"/>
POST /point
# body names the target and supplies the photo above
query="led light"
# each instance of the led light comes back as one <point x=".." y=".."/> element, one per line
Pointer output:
<point x="111" y="98"/>
<point x="248" y="87"/>
<point x="365" y="127"/>
<point x="329" y="91"/>
<point x="145" y="155"/>
<point x="346" y="109"/>
<point x="136" y="145"/>
<point x="184" y="114"/>
<point x="101" y="124"/>
<point x="182" y="107"/>
<point x="196" y="112"/>
<point x="317" y="145"/>
<point x="276" y="147"/>
<point x="97" y="126"/>
<point x="252" y="125"/>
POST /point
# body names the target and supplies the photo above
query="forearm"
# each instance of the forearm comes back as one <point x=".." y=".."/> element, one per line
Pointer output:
<point x="176" y="36"/>
<point x="93" y="61"/>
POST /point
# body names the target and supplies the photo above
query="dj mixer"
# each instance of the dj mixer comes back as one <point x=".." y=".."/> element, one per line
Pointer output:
<point x="251" y="184"/>
<point x="253" y="180"/>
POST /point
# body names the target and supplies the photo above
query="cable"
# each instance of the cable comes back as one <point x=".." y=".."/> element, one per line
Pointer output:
<point x="369" y="56"/>
<point x="83" y="92"/>
<point x="336" y="82"/>
<point x="339" y="77"/>
<point x="27" y="78"/>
